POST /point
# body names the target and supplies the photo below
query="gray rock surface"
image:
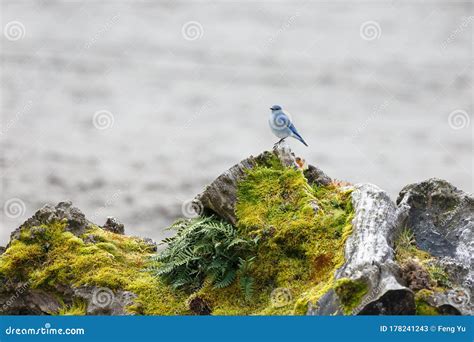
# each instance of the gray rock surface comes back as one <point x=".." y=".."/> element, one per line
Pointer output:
<point x="314" y="175"/>
<point x="370" y="258"/>
<point x="442" y="220"/>
<point x="114" y="226"/>
<point x="76" y="222"/>
<point x="20" y="299"/>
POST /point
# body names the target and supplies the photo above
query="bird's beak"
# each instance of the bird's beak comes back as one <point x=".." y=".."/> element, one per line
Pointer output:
<point x="271" y="108"/>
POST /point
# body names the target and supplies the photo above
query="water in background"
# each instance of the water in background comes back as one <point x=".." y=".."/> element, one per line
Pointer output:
<point x="130" y="108"/>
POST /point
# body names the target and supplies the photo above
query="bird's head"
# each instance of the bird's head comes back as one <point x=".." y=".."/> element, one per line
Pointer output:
<point x="275" y="108"/>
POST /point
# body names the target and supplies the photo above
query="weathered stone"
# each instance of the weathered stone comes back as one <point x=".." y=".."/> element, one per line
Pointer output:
<point x="442" y="220"/>
<point x="76" y="222"/>
<point x="316" y="176"/>
<point x="21" y="300"/>
<point x="370" y="258"/>
<point x="114" y="226"/>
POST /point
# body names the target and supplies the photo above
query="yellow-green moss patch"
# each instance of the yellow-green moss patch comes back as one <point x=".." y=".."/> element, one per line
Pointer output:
<point x="49" y="257"/>
<point x="350" y="293"/>
<point x="423" y="308"/>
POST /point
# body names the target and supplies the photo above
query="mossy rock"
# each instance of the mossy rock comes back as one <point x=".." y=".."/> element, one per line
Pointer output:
<point x="301" y="231"/>
<point x="52" y="259"/>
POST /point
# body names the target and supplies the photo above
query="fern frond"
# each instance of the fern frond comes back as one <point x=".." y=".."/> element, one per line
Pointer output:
<point x="226" y="280"/>
<point x="203" y="249"/>
<point x="246" y="285"/>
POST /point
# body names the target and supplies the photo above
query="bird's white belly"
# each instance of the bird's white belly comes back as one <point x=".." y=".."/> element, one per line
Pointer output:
<point x="280" y="132"/>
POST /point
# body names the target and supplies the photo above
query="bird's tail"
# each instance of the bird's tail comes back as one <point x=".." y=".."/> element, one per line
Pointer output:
<point x="298" y="137"/>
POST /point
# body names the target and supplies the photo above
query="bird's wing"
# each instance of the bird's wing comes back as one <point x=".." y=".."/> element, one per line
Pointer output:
<point x="293" y="129"/>
<point x="296" y="134"/>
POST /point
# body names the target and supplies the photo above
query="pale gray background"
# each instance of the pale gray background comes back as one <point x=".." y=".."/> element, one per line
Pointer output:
<point x="186" y="110"/>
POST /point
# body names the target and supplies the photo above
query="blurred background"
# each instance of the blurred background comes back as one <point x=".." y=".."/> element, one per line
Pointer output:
<point x="130" y="108"/>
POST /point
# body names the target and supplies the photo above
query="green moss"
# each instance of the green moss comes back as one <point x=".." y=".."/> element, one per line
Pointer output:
<point x="405" y="248"/>
<point x="49" y="256"/>
<point x="78" y="308"/>
<point x="439" y="276"/>
<point x="422" y="306"/>
<point x="19" y="258"/>
<point x="350" y="293"/>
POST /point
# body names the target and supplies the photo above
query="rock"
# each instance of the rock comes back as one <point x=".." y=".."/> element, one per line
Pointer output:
<point x="114" y="226"/>
<point x="443" y="302"/>
<point x="316" y="176"/>
<point x="76" y="222"/>
<point x="442" y="220"/>
<point x="21" y="300"/>
<point x="284" y="154"/>
<point x="370" y="259"/>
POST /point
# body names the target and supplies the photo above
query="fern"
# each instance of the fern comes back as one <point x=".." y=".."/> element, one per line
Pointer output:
<point x="246" y="281"/>
<point x="205" y="250"/>
<point x="246" y="285"/>
<point x="227" y="279"/>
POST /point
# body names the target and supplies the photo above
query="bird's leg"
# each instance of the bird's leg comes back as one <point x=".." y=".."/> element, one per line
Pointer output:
<point x="280" y="141"/>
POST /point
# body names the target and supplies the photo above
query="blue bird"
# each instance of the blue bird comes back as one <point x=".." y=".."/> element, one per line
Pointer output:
<point x="281" y="125"/>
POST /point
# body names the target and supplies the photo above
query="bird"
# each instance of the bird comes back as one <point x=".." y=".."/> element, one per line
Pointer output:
<point x="281" y="125"/>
